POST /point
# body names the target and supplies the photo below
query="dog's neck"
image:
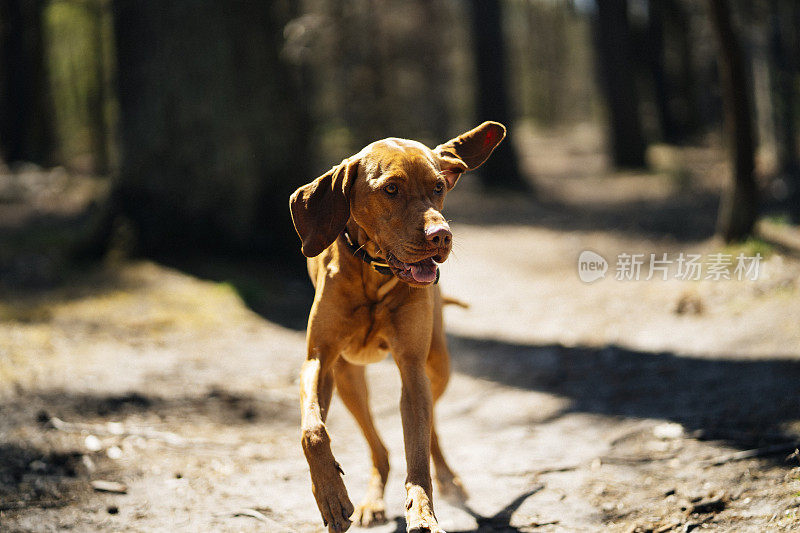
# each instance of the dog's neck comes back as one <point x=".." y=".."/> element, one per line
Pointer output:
<point x="378" y="279"/>
<point x="361" y="241"/>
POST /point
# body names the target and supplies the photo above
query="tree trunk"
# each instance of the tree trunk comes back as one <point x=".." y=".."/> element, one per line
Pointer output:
<point x="685" y="108"/>
<point x="739" y="205"/>
<point x="214" y="131"/>
<point x="26" y="130"/>
<point x="501" y="171"/>
<point x="671" y="69"/>
<point x="657" y="34"/>
<point x="617" y="80"/>
<point x="784" y="70"/>
<point x="98" y="97"/>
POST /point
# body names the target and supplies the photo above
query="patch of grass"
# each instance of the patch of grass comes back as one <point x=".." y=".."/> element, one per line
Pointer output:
<point x="779" y="219"/>
<point x="751" y="247"/>
<point x="24" y="313"/>
<point x="252" y="293"/>
<point x="276" y="291"/>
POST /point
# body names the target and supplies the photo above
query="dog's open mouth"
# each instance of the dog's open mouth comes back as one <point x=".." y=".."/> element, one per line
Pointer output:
<point x="422" y="272"/>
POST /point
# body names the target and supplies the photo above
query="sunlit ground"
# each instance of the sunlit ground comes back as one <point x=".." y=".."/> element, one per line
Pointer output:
<point x="573" y="406"/>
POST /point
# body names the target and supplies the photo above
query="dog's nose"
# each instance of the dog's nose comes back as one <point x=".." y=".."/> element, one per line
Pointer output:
<point x="439" y="234"/>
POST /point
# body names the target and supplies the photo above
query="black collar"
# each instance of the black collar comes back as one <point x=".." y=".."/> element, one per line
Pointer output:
<point x="378" y="265"/>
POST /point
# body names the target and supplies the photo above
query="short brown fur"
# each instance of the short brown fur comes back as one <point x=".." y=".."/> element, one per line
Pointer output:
<point x="389" y="197"/>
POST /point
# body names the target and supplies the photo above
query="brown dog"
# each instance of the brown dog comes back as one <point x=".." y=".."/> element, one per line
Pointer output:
<point x="373" y="230"/>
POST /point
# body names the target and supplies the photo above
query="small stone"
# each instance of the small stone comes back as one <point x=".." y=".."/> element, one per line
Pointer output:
<point x="114" y="452"/>
<point x="668" y="431"/>
<point x="92" y="443"/>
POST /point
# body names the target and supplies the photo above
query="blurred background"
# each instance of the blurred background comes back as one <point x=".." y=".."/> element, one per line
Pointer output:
<point x="150" y="275"/>
<point x="198" y="119"/>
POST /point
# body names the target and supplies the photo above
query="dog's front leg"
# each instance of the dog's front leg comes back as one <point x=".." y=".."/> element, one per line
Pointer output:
<point x="316" y="388"/>
<point x="416" y="407"/>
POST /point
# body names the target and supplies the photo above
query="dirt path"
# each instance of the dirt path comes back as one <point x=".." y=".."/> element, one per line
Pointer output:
<point x="573" y="407"/>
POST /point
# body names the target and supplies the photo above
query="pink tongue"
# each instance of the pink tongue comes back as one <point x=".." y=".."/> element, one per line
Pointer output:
<point x="424" y="271"/>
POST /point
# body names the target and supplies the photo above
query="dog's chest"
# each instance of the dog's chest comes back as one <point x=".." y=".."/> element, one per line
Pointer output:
<point x="371" y="327"/>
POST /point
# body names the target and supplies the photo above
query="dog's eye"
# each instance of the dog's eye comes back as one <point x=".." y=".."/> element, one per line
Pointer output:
<point x="439" y="188"/>
<point x="390" y="189"/>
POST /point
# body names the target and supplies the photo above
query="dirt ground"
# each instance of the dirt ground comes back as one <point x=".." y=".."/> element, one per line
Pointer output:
<point x="616" y="406"/>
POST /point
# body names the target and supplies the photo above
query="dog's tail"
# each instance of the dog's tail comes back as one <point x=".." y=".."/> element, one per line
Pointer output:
<point x="447" y="300"/>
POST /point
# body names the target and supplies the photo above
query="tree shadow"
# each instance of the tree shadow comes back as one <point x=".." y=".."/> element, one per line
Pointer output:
<point x="683" y="217"/>
<point x="37" y="252"/>
<point x="748" y="402"/>
<point x="49" y="254"/>
<point x="42" y="465"/>
<point x="214" y="404"/>
<point x="34" y="477"/>
<point x="278" y="291"/>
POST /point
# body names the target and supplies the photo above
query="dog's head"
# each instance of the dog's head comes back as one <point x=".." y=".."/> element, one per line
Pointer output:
<point x="394" y="189"/>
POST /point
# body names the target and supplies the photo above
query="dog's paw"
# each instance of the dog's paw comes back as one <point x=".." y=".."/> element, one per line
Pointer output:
<point x="424" y="526"/>
<point x="334" y="504"/>
<point x="419" y="512"/>
<point x="369" y="513"/>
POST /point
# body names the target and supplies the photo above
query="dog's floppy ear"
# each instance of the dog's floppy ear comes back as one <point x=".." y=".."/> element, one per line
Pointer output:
<point x="469" y="150"/>
<point x="320" y="209"/>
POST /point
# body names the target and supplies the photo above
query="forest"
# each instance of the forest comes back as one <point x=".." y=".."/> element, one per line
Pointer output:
<point x="628" y="354"/>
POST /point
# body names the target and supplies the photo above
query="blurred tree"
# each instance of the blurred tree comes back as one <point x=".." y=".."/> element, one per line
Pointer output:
<point x="98" y="98"/>
<point x="549" y="63"/>
<point x="214" y="128"/>
<point x="667" y="39"/>
<point x="739" y="205"/>
<point x="784" y="43"/>
<point x="501" y="171"/>
<point x="358" y="69"/>
<point x="26" y="130"/>
<point x="80" y="56"/>
<point x="616" y="71"/>
<point x="397" y="79"/>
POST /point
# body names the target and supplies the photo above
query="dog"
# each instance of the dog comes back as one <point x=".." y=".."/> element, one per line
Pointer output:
<point x="373" y="232"/>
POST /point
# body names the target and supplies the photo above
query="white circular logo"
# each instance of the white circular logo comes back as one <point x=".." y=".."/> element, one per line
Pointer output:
<point x="591" y="266"/>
